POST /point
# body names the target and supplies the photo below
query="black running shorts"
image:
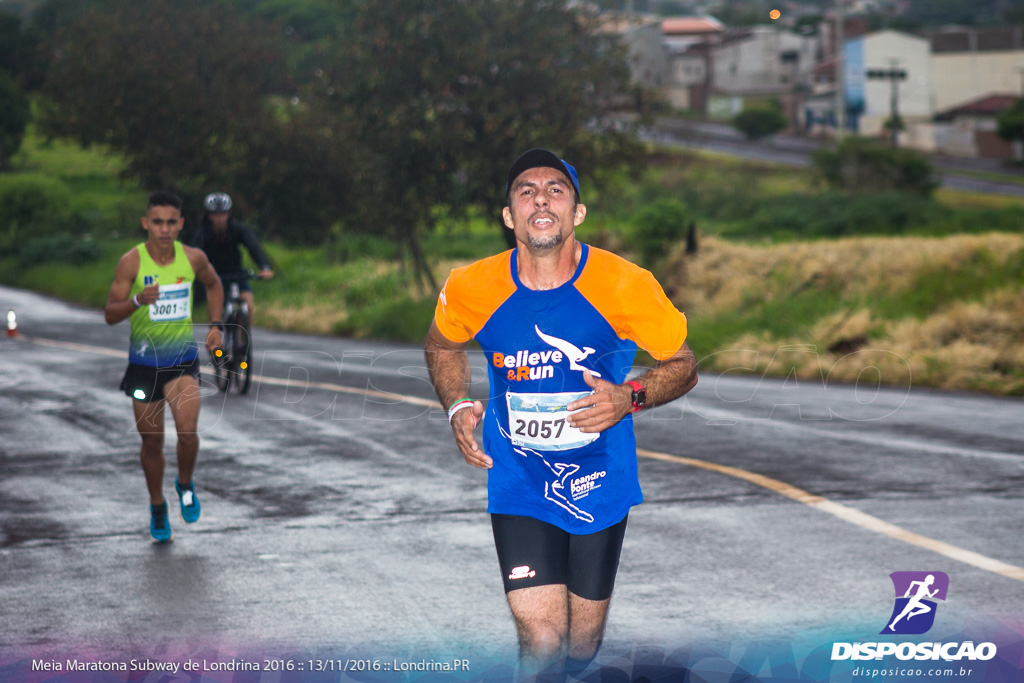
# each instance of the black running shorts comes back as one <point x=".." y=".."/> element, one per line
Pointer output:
<point x="535" y="553"/>
<point x="146" y="383"/>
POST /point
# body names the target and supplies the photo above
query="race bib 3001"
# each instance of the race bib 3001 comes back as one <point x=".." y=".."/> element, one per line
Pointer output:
<point x="539" y="421"/>
<point x="173" y="304"/>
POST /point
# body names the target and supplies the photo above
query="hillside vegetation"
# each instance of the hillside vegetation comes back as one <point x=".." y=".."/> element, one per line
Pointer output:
<point x="942" y="312"/>
<point x="783" y="281"/>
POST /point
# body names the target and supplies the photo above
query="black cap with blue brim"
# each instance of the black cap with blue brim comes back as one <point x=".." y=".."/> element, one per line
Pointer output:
<point x="541" y="158"/>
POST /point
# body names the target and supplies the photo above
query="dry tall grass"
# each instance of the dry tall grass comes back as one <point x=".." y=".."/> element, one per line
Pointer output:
<point x="308" y="318"/>
<point x="969" y="340"/>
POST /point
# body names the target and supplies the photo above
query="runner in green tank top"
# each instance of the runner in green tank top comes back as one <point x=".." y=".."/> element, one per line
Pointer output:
<point x="153" y="287"/>
<point x="162" y="332"/>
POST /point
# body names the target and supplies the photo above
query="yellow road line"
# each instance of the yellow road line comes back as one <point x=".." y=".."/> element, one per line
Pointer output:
<point x="849" y="514"/>
<point x="341" y="388"/>
<point x="71" y="346"/>
<point x="328" y="386"/>
<point x="846" y="513"/>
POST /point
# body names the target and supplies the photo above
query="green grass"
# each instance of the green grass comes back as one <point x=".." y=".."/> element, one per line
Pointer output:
<point x="86" y="284"/>
<point x="109" y="209"/>
<point x="111" y="206"/>
<point x="404" y="319"/>
<point x="936" y="286"/>
<point x="780" y="318"/>
<point x="755" y="201"/>
<point x="1008" y="178"/>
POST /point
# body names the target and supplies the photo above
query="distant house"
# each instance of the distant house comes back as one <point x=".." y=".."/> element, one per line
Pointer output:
<point x="971" y="63"/>
<point x="688" y="42"/>
<point x="759" y="63"/>
<point x="969" y="130"/>
<point x="643" y="40"/>
<point x="887" y="70"/>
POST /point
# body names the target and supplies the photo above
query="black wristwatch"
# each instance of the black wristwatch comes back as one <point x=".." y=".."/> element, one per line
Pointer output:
<point x="639" y="395"/>
<point x="218" y="324"/>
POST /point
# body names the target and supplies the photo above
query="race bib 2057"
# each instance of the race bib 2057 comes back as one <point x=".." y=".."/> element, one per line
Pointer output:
<point x="539" y="421"/>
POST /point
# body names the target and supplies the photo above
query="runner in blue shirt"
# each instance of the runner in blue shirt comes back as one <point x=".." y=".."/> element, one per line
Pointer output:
<point x="559" y="323"/>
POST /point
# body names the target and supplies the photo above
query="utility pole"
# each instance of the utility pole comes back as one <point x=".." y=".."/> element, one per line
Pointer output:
<point x="894" y="75"/>
<point x="894" y="104"/>
<point x="840" y="38"/>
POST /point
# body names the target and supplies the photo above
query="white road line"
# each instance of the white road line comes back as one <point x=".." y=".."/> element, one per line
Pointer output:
<point x="846" y="513"/>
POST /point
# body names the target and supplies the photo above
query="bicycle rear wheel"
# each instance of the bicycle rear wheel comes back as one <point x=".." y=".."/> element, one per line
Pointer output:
<point x="222" y="365"/>
<point x="243" y="367"/>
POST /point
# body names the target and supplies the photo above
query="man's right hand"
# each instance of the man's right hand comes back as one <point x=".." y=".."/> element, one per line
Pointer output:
<point x="464" y="423"/>
<point x="149" y="295"/>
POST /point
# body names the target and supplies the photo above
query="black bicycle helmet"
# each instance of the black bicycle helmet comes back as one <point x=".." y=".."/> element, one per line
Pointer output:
<point x="217" y="202"/>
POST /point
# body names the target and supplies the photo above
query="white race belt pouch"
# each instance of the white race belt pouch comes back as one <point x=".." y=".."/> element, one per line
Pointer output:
<point x="174" y="303"/>
<point x="539" y="421"/>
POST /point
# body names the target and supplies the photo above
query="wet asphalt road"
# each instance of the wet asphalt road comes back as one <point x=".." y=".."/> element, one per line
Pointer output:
<point x="964" y="174"/>
<point x="338" y="523"/>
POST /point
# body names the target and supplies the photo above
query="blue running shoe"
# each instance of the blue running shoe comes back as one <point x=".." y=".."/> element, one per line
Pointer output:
<point x="190" y="509"/>
<point x="159" y="525"/>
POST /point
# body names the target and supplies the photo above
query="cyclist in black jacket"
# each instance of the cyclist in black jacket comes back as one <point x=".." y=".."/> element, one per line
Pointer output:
<point x="220" y="236"/>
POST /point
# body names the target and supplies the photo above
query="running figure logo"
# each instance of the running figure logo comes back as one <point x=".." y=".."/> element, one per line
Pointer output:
<point x="570" y="350"/>
<point x="916" y="596"/>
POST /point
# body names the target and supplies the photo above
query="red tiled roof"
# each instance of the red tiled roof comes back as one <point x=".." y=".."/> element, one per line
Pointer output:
<point x="691" y="25"/>
<point x="990" y="105"/>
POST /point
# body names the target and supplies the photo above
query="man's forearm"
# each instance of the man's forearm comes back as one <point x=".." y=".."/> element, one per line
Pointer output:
<point x="116" y="311"/>
<point x="670" y="379"/>
<point x="449" y="373"/>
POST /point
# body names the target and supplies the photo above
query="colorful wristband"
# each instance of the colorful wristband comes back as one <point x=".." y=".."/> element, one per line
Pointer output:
<point x="457" y="406"/>
<point x="135" y="301"/>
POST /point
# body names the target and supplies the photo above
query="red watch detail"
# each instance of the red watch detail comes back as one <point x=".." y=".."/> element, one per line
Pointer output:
<point x="639" y="394"/>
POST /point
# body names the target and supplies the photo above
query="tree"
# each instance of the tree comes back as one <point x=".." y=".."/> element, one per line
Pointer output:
<point x="16" y="46"/>
<point x="442" y="97"/>
<point x="15" y="114"/>
<point x="377" y="119"/>
<point x="1010" y="122"/>
<point x="760" y="120"/>
<point x="657" y="225"/>
<point x="893" y="126"/>
<point x="178" y="87"/>
<point x="860" y="166"/>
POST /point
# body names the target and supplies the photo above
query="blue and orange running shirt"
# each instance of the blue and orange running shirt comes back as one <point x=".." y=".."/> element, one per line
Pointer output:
<point x="537" y="344"/>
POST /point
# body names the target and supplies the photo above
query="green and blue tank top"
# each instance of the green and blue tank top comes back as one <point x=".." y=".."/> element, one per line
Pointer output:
<point x="161" y="334"/>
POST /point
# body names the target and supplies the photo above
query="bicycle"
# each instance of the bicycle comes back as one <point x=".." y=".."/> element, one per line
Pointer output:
<point x="232" y="361"/>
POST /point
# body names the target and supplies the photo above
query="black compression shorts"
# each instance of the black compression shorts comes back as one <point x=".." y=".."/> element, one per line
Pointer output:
<point x="535" y="553"/>
<point x="146" y="383"/>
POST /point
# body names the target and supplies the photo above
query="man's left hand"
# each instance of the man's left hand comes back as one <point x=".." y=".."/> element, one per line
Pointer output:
<point x="602" y="409"/>
<point x="214" y="339"/>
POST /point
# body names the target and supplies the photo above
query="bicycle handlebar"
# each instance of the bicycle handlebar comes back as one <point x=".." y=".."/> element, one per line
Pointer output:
<point x="255" y="274"/>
